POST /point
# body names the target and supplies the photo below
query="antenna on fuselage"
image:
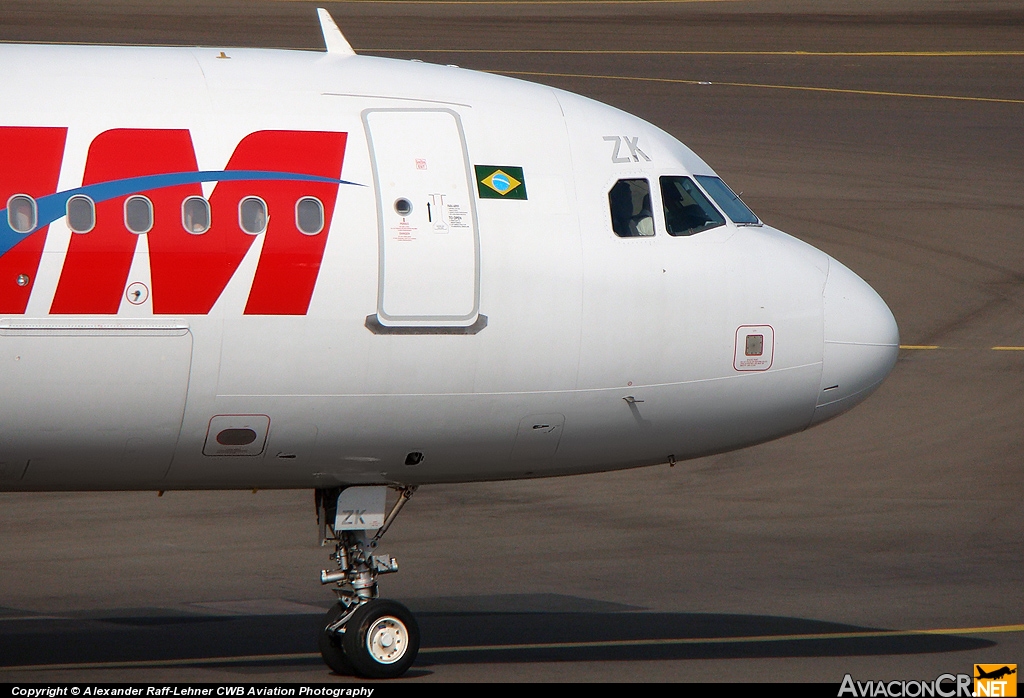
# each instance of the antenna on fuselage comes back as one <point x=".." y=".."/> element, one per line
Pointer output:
<point x="333" y="38"/>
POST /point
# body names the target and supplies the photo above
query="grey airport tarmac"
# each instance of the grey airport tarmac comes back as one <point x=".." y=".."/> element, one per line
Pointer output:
<point x="887" y="544"/>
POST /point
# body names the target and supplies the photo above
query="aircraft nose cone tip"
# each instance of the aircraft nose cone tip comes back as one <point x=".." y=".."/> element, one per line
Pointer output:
<point x="861" y="342"/>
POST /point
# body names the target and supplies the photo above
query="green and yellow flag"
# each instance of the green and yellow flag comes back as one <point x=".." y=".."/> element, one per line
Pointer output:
<point x="504" y="182"/>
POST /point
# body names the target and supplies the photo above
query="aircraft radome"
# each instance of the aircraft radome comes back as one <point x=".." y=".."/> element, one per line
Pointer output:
<point x="240" y="268"/>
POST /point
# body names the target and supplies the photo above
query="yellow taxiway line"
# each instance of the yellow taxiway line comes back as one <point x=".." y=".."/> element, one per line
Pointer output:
<point x="836" y="90"/>
<point x="302" y="656"/>
<point x="926" y="347"/>
<point x="668" y="52"/>
<point x="729" y="640"/>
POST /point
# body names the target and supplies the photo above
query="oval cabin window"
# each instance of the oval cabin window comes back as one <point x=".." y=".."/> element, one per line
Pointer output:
<point x="195" y="215"/>
<point x="309" y="215"/>
<point x="138" y="214"/>
<point x="81" y="213"/>
<point x="21" y="213"/>
<point x="252" y="215"/>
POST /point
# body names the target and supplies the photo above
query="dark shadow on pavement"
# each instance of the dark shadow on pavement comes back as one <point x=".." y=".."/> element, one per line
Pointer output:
<point x="705" y="635"/>
<point x="453" y="637"/>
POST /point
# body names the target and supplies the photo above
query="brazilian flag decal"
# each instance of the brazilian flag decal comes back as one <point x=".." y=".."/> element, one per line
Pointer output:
<point x="503" y="182"/>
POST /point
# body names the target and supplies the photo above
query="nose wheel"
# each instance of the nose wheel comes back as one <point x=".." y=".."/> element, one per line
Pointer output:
<point x="362" y="634"/>
<point x="380" y="639"/>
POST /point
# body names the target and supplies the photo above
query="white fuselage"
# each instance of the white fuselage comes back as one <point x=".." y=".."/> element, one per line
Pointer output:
<point x="497" y="337"/>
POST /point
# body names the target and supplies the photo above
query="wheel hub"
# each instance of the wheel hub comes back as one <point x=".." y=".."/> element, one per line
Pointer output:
<point x="387" y="640"/>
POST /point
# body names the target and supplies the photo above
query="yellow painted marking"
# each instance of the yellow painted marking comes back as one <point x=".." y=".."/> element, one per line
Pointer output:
<point x="677" y="81"/>
<point x="728" y="640"/>
<point x="1007" y="348"/>
<point x="981" y="630"/>
<point x="919" y="346"/>
<point x="656" y="52"/>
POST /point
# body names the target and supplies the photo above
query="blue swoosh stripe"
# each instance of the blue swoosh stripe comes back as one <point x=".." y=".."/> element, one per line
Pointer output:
<point x="54" y="206"/>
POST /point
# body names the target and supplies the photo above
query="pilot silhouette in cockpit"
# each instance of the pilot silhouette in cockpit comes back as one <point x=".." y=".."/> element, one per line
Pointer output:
<point x="627" y="220"/>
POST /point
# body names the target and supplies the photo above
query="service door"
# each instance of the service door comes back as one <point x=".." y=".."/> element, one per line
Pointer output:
<point x="429" y="246"/>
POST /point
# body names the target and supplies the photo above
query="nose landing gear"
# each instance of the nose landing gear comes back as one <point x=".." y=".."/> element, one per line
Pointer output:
<point x="363" y="634"/>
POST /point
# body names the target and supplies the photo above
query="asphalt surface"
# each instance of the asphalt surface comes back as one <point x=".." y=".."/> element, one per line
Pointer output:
<point x="901" y="153"/>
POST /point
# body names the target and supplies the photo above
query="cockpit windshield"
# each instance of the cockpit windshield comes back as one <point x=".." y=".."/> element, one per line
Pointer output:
<point x="687" y="210"/>
<point x="730" y="203"/>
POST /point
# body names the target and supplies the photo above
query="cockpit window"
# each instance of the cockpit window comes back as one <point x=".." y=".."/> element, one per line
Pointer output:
<point x="687" y="210"/>
<point x="730" y="203"/>
<point x="630" y="202"/>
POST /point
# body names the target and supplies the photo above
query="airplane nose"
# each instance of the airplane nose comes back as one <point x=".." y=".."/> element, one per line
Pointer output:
<point x="861" y="342"/>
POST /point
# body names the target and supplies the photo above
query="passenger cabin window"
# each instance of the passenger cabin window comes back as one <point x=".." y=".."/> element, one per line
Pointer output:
<point x="195" y="215"/>
<point x="22" y="213"/>
<point x="687" y="210"/>
<point x="730" y="203"/>
<point x="138" y="214"/>
<point x="630" y="203"/>
<point x="309" y="215"/>
<point x="81" y="213"/>
<point x="252" y="215"/>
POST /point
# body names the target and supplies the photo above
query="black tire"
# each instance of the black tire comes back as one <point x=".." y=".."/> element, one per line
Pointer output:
<point x="331" y="648"/>
<point x="381" y="639"/>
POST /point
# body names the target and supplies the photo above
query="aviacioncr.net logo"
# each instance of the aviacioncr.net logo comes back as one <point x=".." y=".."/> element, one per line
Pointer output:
<point x="943" y="686"/>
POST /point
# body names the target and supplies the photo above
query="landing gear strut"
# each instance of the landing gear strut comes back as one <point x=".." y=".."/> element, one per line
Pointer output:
<point x="362" y="634"/>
